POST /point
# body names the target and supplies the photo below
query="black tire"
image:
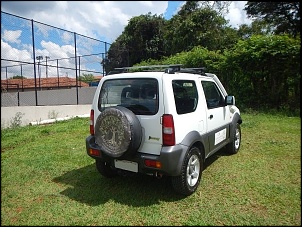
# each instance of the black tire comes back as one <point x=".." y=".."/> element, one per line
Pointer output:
<point x="105" y="169"/>
<point x="118" y="131"/>
<point x="234" y="145"/>
<point x="191" y="172"/>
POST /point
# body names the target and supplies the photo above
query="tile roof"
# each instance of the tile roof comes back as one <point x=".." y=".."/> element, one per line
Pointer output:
<point x="44" y="82"/>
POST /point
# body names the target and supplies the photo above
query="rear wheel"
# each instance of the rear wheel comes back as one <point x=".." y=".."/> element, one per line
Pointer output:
<point x="105" y="169"/>
<point x="191" y="172"/>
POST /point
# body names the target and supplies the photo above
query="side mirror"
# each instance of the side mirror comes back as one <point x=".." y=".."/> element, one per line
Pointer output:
<point x="230" y="100"/>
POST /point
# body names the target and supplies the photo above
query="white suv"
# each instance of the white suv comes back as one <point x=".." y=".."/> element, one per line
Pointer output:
<point x="161" y="123"/>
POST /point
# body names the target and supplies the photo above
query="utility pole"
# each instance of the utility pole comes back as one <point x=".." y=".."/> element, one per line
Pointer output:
<point x="39" y="58"/>
<point x="46" y="57"/>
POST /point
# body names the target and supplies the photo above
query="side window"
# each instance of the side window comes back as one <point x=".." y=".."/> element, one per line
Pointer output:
<point x="213" y="96"/>
<point x="185" y="96"/>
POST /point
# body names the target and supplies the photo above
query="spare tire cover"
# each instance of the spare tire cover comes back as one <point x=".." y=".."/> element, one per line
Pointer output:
<point x="118" y="131"/>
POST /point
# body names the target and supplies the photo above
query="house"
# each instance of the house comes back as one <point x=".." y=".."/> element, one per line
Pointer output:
<point x="14" y="85"/>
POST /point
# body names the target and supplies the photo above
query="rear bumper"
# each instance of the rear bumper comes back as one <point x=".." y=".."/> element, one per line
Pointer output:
<point x="170" y="158"/>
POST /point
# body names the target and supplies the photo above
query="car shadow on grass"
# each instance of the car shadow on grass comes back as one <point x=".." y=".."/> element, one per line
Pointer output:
<point x="220" y="153"/>
<point x="87" y="186"/>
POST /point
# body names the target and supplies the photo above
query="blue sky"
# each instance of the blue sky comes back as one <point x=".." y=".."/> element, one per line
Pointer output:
<point x="172" y="9"/>
<point x="101" y="20"/>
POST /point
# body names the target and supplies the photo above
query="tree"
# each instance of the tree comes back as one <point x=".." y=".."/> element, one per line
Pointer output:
<point x="265" y="71"/>
<point x="118" y="54"/>
<point x="141" y="39"/>
<point x="257" y="27"/>
<point x="87" y="78"/>
<point x="188" y="8"/>
<point x="283" y="16"/>
<point x="18" y="77"/>
<point x="202" y="27"/>
<point x="221" y="7"/>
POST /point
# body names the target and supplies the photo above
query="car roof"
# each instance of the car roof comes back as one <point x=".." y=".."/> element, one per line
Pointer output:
<point x="156" y="75"/>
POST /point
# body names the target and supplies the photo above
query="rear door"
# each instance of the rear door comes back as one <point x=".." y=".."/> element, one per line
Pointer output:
<point x="141" y="95"/>
<point x="150" y="96"/>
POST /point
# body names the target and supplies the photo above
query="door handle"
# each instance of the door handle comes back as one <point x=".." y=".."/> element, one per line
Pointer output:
<point x="211" y="116"/>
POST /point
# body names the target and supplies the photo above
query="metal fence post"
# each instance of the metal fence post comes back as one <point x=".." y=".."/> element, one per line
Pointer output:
<point x="76" y="66"/>
<point x="34" y="56"/>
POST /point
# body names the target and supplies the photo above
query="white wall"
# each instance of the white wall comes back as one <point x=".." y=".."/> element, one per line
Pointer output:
<point x="41" y="114"/>
<point x="48" y="97"/>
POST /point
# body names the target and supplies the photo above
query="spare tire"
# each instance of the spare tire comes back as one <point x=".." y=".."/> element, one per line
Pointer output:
<point x="118" y="131"/>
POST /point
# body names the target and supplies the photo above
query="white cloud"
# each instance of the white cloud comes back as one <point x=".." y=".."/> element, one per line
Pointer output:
<point x="8" y="52"/>
<point x="12" y="36"/>
<point x="90" y="18"/>
<point x="237" y="15"/>
<point x="13" y="53"/>
<point x="51" y="49"/>
<point x="101" y="19"/>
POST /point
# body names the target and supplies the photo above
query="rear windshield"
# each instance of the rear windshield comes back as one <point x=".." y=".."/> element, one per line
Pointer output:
<point x="138" y="95"/>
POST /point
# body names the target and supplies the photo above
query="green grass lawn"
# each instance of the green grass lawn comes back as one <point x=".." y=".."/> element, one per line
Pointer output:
<point x="48" y="179"/>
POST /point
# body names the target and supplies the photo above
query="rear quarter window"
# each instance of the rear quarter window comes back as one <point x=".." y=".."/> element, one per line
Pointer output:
<point x="185" y="96"/>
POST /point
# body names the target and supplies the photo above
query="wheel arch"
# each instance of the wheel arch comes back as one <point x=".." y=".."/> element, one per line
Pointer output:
<point x="236" y="119"/>
<point x="191" y="140"/>
<point x="195" y="139"/>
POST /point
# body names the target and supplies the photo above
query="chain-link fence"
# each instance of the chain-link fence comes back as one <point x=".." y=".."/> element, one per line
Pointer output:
<point x="40" y="61"/>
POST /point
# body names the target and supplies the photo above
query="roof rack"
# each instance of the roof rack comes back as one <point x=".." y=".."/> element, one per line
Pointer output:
<point x="175" y="66"/>
<point x="170" y="69"/>
<point x="200" y="70"/>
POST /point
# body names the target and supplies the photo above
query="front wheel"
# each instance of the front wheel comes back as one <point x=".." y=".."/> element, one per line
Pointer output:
<point x="191" y="171"/>
<point x="234" y="145"/>
<point x="105" y="169"/>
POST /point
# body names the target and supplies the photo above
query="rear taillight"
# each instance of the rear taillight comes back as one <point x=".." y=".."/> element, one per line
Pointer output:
<point x="168" y="130"/>
<point x="152" y="163"/>
<point x="92" y="122"/>
<point x="94" y="152"/>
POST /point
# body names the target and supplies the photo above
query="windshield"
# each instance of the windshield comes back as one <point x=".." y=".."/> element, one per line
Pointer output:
<point x="138" y="95"/>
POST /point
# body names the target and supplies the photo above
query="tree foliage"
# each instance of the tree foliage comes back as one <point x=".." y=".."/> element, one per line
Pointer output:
<point x="18" y="77"/>
<point x="202" y="27"/>
<point x="188" y="8"/>
<point x="257" y="27"/>
<point x="221" y="7"/>
<point x="283" y="16"/>
<point x="259" y="63"/>
<point x="265" y="71"/>
<point x="141" y="39"/>
<point x="87" y="78"/>
<point x="197" y="57"/>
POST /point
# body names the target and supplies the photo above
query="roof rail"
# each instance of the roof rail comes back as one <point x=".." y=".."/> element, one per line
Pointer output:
<point x="175" y="66"/>
<point x="170" y="69"/>
<point x="200" y="70"/>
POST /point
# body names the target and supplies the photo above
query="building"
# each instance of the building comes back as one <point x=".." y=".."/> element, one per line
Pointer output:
<point x="13" y="85"/>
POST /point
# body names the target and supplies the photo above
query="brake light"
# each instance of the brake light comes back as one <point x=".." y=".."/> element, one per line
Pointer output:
<point x="91" y="122"/>
<point x="168" y="130"/>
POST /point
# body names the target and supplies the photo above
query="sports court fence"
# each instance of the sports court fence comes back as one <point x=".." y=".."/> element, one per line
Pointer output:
<point x="37" y="57"/>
